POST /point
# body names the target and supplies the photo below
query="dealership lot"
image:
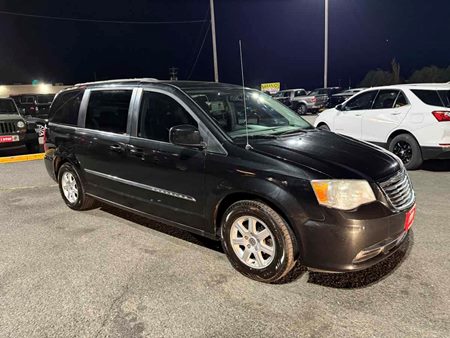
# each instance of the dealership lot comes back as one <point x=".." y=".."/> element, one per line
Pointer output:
<point x="107" y="273"/>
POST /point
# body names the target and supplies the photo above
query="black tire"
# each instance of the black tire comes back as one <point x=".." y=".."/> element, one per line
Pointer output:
<point x="283" y="241"/>
<point x="406" y="147"/>
<point x="323" y="126"/>
<point x="82" y="202"/>
<point x="302" y="109"/>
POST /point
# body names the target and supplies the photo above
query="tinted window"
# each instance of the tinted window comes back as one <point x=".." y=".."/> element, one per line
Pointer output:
<point x="445" y="97"/>
<point x="300" y="93"/>
<point x="7" y="107"/>
<point x="401" y="100"/>
<point x="159" y="113"/>
<point x="65" y="108"/>
<point x="108" y="110"/>
<point x="385" y="99"/>
<point x="430" y="97"/>
<point x="361" y="101"/>
<point x="48" y="98"/>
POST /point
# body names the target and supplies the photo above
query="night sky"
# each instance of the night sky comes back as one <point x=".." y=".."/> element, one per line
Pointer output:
<point x="283" y="40"/>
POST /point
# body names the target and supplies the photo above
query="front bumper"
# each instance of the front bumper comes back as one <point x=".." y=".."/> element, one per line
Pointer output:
<point x="343" y="242"/>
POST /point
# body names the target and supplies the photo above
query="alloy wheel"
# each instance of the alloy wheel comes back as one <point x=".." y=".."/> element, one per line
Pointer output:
<point x="69" y="187"/>
<point x="252" y="242"/>
<point x="403" y="150"/>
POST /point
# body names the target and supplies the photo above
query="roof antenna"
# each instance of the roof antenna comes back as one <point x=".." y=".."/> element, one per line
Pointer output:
<point x="247" y="146"/>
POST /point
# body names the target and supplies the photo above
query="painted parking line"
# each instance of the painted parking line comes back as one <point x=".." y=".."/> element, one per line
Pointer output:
<point x="29" y="187"/>
<point x="22" y="158"/>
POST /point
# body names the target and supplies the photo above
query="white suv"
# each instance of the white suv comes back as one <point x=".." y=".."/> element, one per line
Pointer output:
<point x="412" y="121"/>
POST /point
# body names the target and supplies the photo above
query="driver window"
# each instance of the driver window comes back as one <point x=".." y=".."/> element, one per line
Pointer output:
<point x="385" y="99"/>
<point x="159" y="113"/>
<point x="363" y="101"/>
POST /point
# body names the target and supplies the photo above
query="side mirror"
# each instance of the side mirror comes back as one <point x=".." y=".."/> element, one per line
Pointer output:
<point x="340" y="107"/>
<point x="186" y="135"/>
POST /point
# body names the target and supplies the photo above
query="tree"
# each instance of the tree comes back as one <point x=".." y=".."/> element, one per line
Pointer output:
<point x="430" y="74"/>
<point x="375" y="78"/>
<point x="381" y="77"/>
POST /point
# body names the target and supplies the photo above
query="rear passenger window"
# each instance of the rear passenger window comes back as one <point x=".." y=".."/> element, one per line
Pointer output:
<point x="158" y="114"/>
<point x="66" y="107"/>
<point x="385" y="99"/>
<point x="108" y="110"/>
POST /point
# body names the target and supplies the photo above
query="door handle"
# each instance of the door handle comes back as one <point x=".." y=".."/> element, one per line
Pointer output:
<point x="118" y="148"/>
<point x="358" y="114"/>
<point x="396" y="113"/>
<point x="138" y="152"/>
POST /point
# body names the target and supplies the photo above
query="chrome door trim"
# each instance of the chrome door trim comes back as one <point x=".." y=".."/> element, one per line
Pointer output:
<point x="142" y="186"/>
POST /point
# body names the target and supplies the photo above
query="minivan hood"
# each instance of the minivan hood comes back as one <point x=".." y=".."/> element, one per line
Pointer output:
<point x="332" y="155"/>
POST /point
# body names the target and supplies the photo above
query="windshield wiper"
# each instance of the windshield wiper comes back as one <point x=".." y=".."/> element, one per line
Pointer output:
<point x="295" y="131"/>
<point x="263" y="136"/>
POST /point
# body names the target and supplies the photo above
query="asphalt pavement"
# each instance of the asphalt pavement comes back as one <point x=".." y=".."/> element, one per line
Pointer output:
<point x="106" y="273"/>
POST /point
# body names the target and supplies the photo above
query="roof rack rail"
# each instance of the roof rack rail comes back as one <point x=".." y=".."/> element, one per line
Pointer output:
<point x="149" y="79"/>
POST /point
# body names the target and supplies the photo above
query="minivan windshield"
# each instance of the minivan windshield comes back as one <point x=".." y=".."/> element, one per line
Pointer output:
<point x="7" y="107"/>
<point x="266" y="117"/>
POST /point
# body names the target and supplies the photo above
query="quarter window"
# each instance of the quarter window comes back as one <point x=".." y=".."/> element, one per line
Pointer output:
<point x="362" y="101"/>
<point x="108" y="110"/>
<point x="159" y="113"/>
<point x="66" y="107"/>
<point x="385" y="99"/>
<point x="401" y="100"/>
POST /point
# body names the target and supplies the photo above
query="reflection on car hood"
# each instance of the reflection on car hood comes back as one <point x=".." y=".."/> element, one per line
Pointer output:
<point x="332" y="155"/>
<point x="9" y="117"/>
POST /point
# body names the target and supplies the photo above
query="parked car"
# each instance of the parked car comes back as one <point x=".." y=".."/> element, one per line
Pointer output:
<point x="34" y="109"/>
<point x="341" y="97"/>
<point x="15" y="132"/>
<point x="287" y="96"/>
<point x="412" y="121"/>
<point x="315" y="101"/>
<point x="35" y="106"/>
<point x="271" y="187"/>
<point x="301" y="101"/>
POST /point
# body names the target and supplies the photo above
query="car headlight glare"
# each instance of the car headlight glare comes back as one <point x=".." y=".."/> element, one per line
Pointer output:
<point x="343" y="194"/>
<point x="21" y="124"/>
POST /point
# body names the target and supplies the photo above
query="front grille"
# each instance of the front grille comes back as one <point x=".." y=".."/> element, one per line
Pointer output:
<point x="8" y="127"/>
<point x="399" y="191"/>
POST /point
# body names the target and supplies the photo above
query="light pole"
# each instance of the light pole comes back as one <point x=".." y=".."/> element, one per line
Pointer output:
<point x="325" y="65"/>
<point x="214" y="43"/>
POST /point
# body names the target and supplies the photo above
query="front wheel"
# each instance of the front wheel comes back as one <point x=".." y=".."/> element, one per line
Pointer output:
<point x="323" y="127"/>
<point x="408" y="150"/>
<point x="257" y="241"/>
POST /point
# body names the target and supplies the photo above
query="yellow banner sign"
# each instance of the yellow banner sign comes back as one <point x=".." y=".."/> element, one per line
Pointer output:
<point x="272" y="87"/>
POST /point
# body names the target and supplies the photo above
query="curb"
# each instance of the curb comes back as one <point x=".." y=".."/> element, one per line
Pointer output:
<point x="22" y="158"/>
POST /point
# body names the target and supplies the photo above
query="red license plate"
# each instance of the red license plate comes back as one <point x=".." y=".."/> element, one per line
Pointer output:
<point x="410" y="215"/>
<point x="9" y="138"/>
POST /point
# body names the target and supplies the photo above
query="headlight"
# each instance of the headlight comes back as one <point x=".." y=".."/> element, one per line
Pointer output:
<point x="343" y="194"/>
<point x="21" y="124"/>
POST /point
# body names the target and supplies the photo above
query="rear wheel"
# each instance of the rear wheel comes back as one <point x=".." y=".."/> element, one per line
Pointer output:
<point x="408" y="150"/>
<point x="302" y="109"/>
<point x="257" y="241"/>
<point x="72" y="189"/>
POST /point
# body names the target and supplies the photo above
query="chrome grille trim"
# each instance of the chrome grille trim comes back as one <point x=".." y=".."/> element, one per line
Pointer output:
<point x="399" y="191"/>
